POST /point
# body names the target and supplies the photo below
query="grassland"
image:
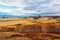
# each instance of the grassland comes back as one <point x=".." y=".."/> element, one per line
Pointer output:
<point x="10" y="28"/>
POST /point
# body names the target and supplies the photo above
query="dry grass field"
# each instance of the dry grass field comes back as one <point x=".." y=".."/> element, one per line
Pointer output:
<point x="44" y="28"/>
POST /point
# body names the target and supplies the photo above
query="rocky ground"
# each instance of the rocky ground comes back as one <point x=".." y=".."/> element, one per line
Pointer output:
<point x="27" y="36"/>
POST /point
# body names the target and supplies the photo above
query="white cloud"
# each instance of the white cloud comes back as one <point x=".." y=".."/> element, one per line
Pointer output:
<point x="31" y="6"/>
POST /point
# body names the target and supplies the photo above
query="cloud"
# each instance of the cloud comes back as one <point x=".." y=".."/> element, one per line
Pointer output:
<point x="30" y="7"/>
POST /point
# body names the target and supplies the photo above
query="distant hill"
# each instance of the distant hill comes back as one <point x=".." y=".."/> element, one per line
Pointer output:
<point x="8" y="15"/>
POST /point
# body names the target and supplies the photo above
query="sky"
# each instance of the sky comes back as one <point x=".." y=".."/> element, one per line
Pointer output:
<point x="30" y="7"/>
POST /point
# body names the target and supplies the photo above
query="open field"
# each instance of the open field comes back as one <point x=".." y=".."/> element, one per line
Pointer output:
<point x="44" y="28"/>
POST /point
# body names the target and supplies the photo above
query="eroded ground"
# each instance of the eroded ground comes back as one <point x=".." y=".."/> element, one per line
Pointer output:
<point x="44" y="28"/>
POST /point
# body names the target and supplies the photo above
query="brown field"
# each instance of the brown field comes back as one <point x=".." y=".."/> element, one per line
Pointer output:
<point x="44" y="28"/>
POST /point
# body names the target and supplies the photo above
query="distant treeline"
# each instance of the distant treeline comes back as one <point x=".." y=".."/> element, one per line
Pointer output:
<point x="30" y="16"/>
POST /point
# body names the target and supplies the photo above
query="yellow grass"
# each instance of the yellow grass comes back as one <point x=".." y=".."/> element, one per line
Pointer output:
<point x="12" y="22"/>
